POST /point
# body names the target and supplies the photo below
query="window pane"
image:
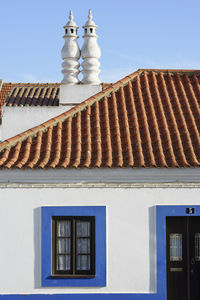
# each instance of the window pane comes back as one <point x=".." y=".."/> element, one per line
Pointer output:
<point x="197" y="246"/>
<point x="83" y="246"/>
<point x="63" y="245"/>
<point x="73" y="246"/>
<point x="63" y="262"/>
<point x="175" y="247"/>
<point x="64" y="228"/>
<point x="83" y="262"/>
<point x="83" y="228"/>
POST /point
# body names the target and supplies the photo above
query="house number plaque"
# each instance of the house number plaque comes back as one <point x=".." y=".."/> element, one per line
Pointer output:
<point x="190" y="210"/>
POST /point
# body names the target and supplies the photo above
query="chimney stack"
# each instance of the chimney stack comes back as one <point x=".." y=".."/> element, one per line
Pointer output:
<point x="72" y="91"/>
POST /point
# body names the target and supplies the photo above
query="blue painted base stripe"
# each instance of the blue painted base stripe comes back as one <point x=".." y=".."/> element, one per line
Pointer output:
<point x="83" y="297"/>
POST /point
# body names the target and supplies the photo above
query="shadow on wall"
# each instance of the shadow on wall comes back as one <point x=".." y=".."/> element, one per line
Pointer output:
<point x="152" y="249"/>
<point x="37" y="246"/>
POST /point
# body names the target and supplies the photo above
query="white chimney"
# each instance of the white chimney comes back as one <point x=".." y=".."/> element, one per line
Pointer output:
<point x="90" y="53"/>
<point x="70" y="53"/>
<point x="72" y="91"/>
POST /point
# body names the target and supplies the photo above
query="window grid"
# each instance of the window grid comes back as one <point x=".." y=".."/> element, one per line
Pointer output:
<point x="197" y="246"/>
<point x="73" y="264"/>
<point x="175" y="247"/>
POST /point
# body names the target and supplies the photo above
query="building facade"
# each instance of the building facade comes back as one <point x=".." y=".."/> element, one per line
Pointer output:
<point x="102" y="201"/>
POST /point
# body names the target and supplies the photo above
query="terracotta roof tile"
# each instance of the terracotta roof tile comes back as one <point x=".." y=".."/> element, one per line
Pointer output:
<point x="4" y="92"/>
<point x="150" y="118"/>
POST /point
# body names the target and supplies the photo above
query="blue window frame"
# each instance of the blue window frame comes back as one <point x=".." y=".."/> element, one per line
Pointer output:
<point x="99" y="212"/>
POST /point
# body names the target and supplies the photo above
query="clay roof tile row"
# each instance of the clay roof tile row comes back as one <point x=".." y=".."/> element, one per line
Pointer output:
<point x="150" y="118"/>
<point x="32" y="94"/>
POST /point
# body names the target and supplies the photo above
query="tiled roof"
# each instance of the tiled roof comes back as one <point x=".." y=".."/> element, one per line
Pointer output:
<point x="4" y="92"/>
<point x="148" y="119"/>
<point x="30" y="94"/>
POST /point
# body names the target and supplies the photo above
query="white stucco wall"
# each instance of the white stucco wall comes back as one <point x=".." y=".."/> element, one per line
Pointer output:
<point x="78" y="93"/>
<point x="18" y="119"/>
<point x="131" y="261"/>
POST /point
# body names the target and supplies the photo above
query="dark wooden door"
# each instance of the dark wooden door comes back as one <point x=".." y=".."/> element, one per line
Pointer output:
<point x="183" y="258"/>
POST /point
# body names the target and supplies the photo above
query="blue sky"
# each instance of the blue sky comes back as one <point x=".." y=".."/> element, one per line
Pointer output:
<point x="132" y="34"/>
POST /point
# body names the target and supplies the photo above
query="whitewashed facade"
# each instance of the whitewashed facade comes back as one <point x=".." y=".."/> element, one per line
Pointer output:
<point x="131" y="224"/>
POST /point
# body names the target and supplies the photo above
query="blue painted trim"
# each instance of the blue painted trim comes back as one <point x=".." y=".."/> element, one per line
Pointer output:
<point x="81" y="297"/>
<point x="161" y="213"/>
<point x="100" y="245"/>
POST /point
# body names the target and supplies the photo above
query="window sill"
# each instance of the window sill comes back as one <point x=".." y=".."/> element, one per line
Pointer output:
<point x="72" y="276"/>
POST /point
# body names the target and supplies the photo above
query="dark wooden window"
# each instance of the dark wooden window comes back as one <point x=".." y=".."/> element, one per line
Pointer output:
<point x="73" y="246"/>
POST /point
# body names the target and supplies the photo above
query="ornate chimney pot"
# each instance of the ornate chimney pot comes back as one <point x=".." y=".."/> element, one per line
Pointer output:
<point x="90" y="53"/>
<point x="70" y="53"/>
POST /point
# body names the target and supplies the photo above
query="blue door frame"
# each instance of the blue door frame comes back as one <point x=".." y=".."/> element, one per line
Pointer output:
<point x="161" y="213"/>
